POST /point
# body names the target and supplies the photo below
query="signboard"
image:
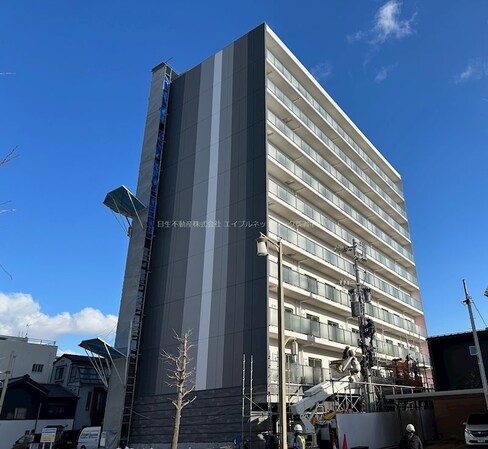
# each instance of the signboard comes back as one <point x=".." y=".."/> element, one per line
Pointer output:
<point x="48" y="435"/>
<point x="472" y="350"/>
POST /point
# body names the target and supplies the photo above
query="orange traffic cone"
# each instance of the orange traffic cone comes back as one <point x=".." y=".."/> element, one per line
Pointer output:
<point x="344" y="442"/>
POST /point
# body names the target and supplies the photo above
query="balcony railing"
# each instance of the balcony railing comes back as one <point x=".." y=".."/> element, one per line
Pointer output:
<point x="290" y="235"/>
<point x="329" y="143"/>
<point x="312" y="285"/>
<point x="316" y="185"/>
<point x="310" y="98"/>
<point x="300" y="374"/>
<point x="333" y="333"/>
<point x="319" y="217"/>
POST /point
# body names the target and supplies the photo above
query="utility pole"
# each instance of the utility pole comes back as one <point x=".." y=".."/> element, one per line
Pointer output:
<point x="7" y="377"/>
<point x="359" y="296"/>
<point x="467" y="301"/>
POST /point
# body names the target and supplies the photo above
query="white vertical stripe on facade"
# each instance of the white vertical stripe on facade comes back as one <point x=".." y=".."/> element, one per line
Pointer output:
<point x="208" y="258"/>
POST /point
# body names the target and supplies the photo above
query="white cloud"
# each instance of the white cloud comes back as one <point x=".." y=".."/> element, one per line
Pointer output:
<point x="19" y="313"/>
<point x="70" y="351"/>
<point x="322" y="71"/>
<point x="475" y="70"/>
<point x="384" y="72"/>
<point x="387" y="25"/>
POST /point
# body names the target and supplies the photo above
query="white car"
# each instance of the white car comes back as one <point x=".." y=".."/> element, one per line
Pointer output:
<point x="89" y="438"/>
<point x="476" y="429"/>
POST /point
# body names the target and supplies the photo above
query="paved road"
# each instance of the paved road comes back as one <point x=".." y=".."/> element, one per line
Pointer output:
<point x="450" y="444"/>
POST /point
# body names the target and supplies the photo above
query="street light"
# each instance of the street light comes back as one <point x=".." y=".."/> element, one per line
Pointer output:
<point x="262" y="250"/>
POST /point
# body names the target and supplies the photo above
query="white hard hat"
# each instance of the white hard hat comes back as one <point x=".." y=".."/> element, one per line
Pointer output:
<point x="410" y="428"/>
<point x="298" y="428"/>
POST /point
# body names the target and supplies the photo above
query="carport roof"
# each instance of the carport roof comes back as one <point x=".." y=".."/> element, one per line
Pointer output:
<point x="430" y="395"/>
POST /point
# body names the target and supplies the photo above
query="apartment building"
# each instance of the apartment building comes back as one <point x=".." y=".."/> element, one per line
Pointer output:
<point x="23" y="355"/>
<point x="248" y="142"/>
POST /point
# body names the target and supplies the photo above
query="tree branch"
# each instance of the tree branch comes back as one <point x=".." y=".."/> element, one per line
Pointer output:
<point x="9" y="156"/>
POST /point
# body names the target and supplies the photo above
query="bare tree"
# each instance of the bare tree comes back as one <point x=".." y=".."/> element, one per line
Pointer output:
<point x="182" y="378"/>
<point x="9" y="156"/>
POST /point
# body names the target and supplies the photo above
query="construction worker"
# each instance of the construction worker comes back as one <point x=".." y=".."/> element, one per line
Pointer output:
<point x="369" y="331"/>
<point x="299" y="440"/>
<point x="348" y="352"/>
<point x="410" y="440"/>
<point x="269" y="440"/>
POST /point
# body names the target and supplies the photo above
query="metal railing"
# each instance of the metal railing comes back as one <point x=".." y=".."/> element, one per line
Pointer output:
<point x="321" y="289"/>
<point x="334" y="333"/>
<point x="273" y="60"/>
<point x="281" y="96"/>
<point x="308" y="245"/>
<point x="286" y="162"/>
<point x="306" y="208"/>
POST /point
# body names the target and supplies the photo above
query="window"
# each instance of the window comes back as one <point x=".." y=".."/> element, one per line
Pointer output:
<point x="290" y="358"/>
<point x="314" y="362"/>
<point x="59" y="373"/>
<point x="37" y="368"/>
<point x="88" y="401"/>
<point x="20" y="413"/>
<point x="314" y="324"/>
<point x="56" y="410"/>
<point x="288" y="317"/>
<point x="101" y="399"/>
<point x="333" y="327"/>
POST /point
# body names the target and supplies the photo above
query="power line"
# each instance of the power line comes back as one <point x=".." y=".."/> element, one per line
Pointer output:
<point x="475" y="306"/>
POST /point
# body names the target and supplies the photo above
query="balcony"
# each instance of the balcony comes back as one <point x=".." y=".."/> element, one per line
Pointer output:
<point x="300" y="374"/>
<point x="309" y="327"/>
<point x="323" y="290"/>
<point x="331" y="259"/>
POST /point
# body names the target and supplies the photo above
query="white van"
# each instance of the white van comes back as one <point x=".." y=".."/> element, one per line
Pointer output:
<point x="89" y="438"/>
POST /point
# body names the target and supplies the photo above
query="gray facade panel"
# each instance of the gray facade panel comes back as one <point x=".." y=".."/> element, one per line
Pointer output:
<point x="169" y="286"/>
<point x="135" y="251"/>
<point x="208" y="279"/>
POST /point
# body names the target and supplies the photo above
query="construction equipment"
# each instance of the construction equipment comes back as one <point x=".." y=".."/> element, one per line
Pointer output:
<point x="313" y="410"/>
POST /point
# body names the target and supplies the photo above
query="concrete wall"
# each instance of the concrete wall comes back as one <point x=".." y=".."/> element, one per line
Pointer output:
<point x="375" y="430"/>
<point x="26" y="355"/>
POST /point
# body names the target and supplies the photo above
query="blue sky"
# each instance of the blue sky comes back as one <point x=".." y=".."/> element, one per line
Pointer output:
<point x="74" y="82"/>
